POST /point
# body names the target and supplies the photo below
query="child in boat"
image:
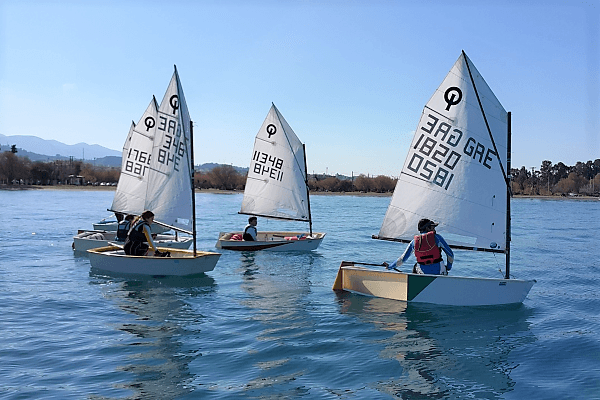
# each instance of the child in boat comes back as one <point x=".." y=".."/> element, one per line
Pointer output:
<point x="250" y="231"/>
<point x="428" y="247"/>
<point x="139" y="241"/>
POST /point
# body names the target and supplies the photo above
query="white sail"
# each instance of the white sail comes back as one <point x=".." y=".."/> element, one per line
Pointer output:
<point x="452" y="174"/>
<point x="130" y="196"/>
<point x="169" y="179"/>
<point x="276" y="183"/>
<point x="156" y="169"/>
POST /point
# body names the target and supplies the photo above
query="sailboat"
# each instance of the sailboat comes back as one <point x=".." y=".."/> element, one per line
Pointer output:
<point x="130" y="193"/>
<point x="159" y="166"/>
<point x="276" y="187"/>
<point x="456" y="173"/>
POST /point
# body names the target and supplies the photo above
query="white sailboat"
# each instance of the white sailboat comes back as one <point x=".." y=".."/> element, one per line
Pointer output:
<point x="159" y="166"/>
<point x="276" y="187"/>
<point x="455" y="173"/>
<point x="131" y="191"/>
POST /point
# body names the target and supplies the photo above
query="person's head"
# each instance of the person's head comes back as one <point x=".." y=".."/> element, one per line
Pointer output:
<point x="253" y="220"/>
<point x="426" y="225"/>
<point x="148" y="216"/>
<point x="129" y="217"/>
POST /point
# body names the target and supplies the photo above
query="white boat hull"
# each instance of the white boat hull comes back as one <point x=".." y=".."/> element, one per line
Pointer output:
<point x="435" y="289"/>
<point x="181" y="262"/>
<point x="111" y="226"/>
<point x="86" y="240"/>
<point x="271" y="241"/>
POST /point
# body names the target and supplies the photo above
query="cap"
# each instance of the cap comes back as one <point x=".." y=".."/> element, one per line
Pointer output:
<point x="425" y="224"/>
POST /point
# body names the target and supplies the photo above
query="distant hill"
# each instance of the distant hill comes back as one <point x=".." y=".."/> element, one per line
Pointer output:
<point x="37" y="149"/>
<point x="52" y="149"/>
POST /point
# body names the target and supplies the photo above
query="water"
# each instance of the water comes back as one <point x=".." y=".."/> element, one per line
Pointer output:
<point x="268" y="326"/>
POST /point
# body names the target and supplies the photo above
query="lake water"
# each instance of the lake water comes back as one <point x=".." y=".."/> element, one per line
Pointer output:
<point x="268" y="326"/>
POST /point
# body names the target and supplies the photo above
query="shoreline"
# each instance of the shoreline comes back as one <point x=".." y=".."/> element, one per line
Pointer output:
<point x="220" y="191"/>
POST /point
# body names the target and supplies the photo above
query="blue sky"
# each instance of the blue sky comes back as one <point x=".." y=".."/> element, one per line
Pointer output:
<point x="350" y="77"/>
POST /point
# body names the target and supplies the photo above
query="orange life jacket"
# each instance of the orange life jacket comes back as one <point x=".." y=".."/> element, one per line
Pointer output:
<point x="426" y="250"/>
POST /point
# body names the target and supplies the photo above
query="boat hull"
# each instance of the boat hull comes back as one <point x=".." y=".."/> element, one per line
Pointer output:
<point x="435" y="289"/>
<point x="271" y="241"/>
<point x="181" y="262"/>
<point x="86" y="240"/>
<point x="111" y="226"/>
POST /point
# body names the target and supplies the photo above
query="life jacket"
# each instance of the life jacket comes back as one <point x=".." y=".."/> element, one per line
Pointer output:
<point x="137" y="233"/>
<point x="248" y="237"/>
<point x="426" y="250"/>
<point x="123" y="230"/>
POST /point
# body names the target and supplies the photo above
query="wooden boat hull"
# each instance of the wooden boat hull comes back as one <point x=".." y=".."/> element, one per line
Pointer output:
<point x="271" y="241"/>
<point x="181" y="262"/>
<point x="435" y="289"/>
<point x="86" y="240"/>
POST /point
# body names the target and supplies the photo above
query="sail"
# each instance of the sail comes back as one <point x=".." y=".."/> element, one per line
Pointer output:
<point x="169" y="193"/>
<point x="130" y="196"/>
<point x="276" y="183"/>
<point x="156" y="168"/>
<point x="454" y="173"/>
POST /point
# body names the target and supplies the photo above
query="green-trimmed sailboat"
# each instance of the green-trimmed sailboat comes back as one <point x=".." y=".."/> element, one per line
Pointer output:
<point x="457" y="174"/>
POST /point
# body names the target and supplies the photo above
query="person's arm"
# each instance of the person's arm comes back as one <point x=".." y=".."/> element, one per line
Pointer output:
<point x="149" y="239"/>
<point x="402" y="259"/>
<point x="444" y="246"/>
<point x="253" y="232"/>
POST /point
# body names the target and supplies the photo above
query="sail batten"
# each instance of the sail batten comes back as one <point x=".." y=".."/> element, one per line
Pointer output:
<point x="453" y="173"/>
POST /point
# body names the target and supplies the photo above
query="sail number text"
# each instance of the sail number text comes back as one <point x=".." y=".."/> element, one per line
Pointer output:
<point x="265" y="164"/>
<point x="434" y="155"/>
<point x="137" y="162"/>
<point x="173" y="147"/>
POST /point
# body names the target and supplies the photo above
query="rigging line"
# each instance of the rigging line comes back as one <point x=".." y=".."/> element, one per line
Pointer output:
<point x="279" y="116"/>
<point x="485" y="120"/>
<point x="274" y="217"/>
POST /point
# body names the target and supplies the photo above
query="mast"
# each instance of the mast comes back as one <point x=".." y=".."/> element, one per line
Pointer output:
<point x="508" y="194"/>
<point x="192" y="178"/>
<point x="307" y="190"/>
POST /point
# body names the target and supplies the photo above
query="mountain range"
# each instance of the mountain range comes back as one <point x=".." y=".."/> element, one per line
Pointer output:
<point x="38" y="149"/>
<point x="53" y="148"/>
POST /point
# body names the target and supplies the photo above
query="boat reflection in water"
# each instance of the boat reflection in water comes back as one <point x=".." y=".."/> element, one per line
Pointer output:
<point x="443" y="351"/>
<point x="156" y="348"/>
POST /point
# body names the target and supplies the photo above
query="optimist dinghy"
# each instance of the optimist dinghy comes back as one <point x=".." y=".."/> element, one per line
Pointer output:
<point x="131" y="194"/>
<point x="276" y="187"/>
<point x="158" y="176"/>
<point x="456" y="173"/>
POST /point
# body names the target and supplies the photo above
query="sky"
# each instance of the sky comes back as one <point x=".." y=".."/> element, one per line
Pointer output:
<point x="350" y="77"/>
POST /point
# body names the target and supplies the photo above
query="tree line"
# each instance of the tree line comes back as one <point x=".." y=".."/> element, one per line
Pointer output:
<point x="558" y="179"/>
<point x="549" y="179"/>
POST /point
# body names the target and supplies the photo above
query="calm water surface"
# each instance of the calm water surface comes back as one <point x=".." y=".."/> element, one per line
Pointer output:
<point x="268" y="326"/>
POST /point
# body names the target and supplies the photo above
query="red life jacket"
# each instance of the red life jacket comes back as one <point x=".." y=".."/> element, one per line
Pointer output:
<point x="426" y="250"/>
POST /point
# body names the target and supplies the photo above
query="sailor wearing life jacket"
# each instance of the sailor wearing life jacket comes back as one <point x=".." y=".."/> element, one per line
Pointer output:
<point x="140" y="239"/>
<point x="250" y="231"/>
<point x="123" y="228"/>
<point x="428" y="247"/>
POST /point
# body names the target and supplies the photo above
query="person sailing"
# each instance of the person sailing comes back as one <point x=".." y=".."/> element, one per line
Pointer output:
<point x="250" y="231"/>
<point x="123" y="228"/>
<point x="428" y="247"/>
<point x="139" y="241"/>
